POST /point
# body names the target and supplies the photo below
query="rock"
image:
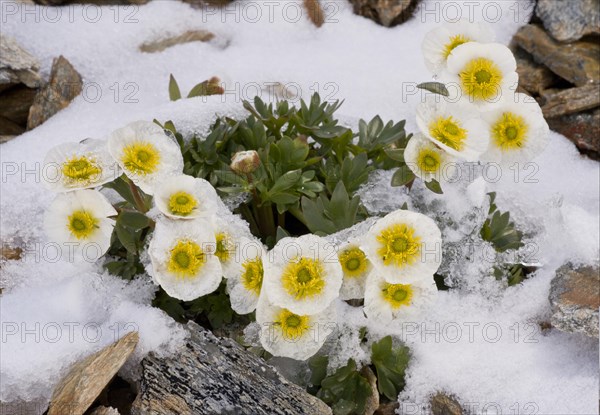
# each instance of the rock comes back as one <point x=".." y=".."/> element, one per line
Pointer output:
<point x="373" y="400"/>
<point x="64" y="85"/>
<point x="15" y="104"/>
<point x="211" y="375"/>
<point x="17" y="66"/>
<point x="388" y="408"/>
<point x="569" y="20"/>
<point x="575" y="298"/>
<point x="533" y="78"/>
<point x="582" y="129"/>
<point x="87" y="378"/>
<point x="103" y="410"/>
<point x="569" y="101"/>
<point x="442" y="404"/>
<point x="187" y="37"/>
<point x="385" y="12"/>
<point x="578" y="63"/>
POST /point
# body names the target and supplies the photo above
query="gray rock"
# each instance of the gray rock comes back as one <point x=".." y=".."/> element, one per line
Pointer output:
<point x="575" y="298"/>
<point x="385" y="12"/>
<point x="17" y="65"/>
<point x="583" y="129"/>
<point x="211" y="375"/>
<point x="569" y="20"/>
<point x="578" y="63"/>
<point x="64" y="85"/>
<point x="442" y="404"/>
<point x="569" y="101"/>
<point x="103" y="410"/>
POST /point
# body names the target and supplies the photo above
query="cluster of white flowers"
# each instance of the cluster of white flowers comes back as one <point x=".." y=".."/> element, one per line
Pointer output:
<point x="391" y="268"/>
<point x="483" y="118"/>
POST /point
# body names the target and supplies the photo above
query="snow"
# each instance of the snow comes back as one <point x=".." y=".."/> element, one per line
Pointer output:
<point x="375" y="70"/>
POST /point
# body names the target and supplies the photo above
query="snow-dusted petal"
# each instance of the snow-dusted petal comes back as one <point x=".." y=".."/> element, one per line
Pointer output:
<point x="297" y="336"/>
<point x="303" y="274"/>
<point x="146" y="154"/>
<point x="186" y="197"/>
<point x="483" y="74"/>
<point x="426" y="160"/>
<point x="518" y="131"/>
<point x="79" y="222"/>
<point x="455" y="127"/>
<point x="404" y="247"/>
<point x="355" y="267"/>
<point x="440" y="42"/>
<point x="183" y="260"/>
<point x="245" y="284"/>
<point x="385" y="301"/>
<point x="82" y="165"/>
<point x="229" y="229"/>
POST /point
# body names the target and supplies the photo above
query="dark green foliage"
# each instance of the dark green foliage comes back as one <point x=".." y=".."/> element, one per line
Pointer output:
<point x="499" y="230"/>
<point x="391" y="364"/>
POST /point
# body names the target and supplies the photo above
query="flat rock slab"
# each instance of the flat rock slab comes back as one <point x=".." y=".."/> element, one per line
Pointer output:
<point x="88" y="377"/>
<point x="17" y="65"/>
<point x="578" y="62"/>
<point x="583" y="129"/>
<point x="575" y="298"/>
<point x="569" y="20"/>
<point x="570" y="101"/>
<point x="217" y="376"/>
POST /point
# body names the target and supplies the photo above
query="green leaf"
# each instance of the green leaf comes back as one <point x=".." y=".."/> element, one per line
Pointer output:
<point x="499" y="230"/>
<point x="126" y="237"/>
<point x="391" y="365"/>
<point x="134" y="219"/>
<point x="174" y="92"/>
<point x="402" y="176"/>
<point x="120" y="186"/>
<point x="346" y="391"/>
<point x="318" y="369"/>
<point x="435" y="87"/>
<point x="434" y="186"/>
<point x="281" y="233"/>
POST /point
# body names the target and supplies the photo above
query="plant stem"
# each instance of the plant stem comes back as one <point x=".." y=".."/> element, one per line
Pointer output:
<point x="139" y="202"/>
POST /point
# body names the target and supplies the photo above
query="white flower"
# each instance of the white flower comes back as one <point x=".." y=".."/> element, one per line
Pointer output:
<point x="355" y="267"/>
<point x="81" y="221"/>
<point x="146" y="154"/>
<point x="244" y="286"/>
<point x="426" y="160"/>
<point x="82" y="165"/>
<point x="518" y="131"/>
<point x="455" y="127"/>
<point x="297" y="336"/>
<point x="404" y="247"/>
<point x="245" y="162"/>
<point x="228" y="230"/>
<point x="483" y="73"/>
<point x="385" y="302"/>
<point x="183" y="262"/>
<point x="439" y="43"/>
<point x="186" y="197"/>
<point x="303" y="274"/>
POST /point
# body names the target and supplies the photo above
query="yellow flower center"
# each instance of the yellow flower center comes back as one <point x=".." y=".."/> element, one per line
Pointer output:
<point x="398" y="245"/>
<point x="81" y="170"/>
<point x="186" y="259"/>
<point x="455" y="41"/>
<point x="293" y="326"/>
<point x="481" y="79"/>
<point x="141" y="157"/>
<point x="429" y="160"/>
<point x="182" y="203"/>
<point x="510" y="132"/>
<point x="397" y="295"/>
<point x="82" y="224"/>
<point x="303" y="277"/>
<point x="224" y="247"/>
<point x="354" y="262"/>
<point x="252" y="277"/>
<point x="448" y="131"/>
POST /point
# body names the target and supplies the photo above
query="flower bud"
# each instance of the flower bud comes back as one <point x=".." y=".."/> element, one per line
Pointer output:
<point x="245" y="162"/>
